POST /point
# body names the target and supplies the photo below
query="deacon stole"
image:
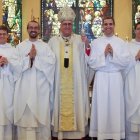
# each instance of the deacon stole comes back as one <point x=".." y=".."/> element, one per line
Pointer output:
<point x="67" y="113"/>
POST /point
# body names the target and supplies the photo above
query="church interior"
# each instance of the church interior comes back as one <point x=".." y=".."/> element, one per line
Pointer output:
<point x="16" y="13"/>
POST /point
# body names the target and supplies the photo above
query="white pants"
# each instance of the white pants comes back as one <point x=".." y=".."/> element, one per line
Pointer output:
<point x="40" y="133"/>
<point x="132" y="135"/>
<point x="6" y="132"/>
<point x="28" y="128"/>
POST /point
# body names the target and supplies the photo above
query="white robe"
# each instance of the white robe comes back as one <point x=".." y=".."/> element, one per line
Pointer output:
<point x="107" y="114"/>
<point x="81" y="99"/>
<point x="34" y="87"/>
<point x="132" y="96"/>
<point x="6" y="92"/>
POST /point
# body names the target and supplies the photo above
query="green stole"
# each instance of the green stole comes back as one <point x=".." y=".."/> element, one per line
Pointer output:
<point x="66" y="116"/>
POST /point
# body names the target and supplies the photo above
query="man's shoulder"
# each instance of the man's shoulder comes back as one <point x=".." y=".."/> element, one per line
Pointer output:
<point x="134" y="43"/>
<point x="119" y="38"/>
<point x="77" y="36"/>
<point x="8" y="45"/>
<point x="43" y="43"/>
<point x="99" y="39"/>
<point x="53" y="38"/>
<point x="23" y="42"/>
<point x="27" y="41"/>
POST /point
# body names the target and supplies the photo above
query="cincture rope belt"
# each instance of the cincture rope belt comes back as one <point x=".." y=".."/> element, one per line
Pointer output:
<point x="66" y="116"/>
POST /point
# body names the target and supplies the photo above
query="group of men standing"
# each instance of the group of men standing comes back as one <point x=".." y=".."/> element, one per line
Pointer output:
<point x="44" y="87"/>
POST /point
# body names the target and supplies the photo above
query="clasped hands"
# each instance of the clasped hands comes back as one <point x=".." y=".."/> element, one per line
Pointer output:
<point x="137" y="57"/>
<point x="32" y="53"/>
<point x="3" y="61"/>
<point x="108" y="50"/>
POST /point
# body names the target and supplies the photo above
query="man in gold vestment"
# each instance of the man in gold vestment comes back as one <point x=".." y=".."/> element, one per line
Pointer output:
<point x="70" y="112"/>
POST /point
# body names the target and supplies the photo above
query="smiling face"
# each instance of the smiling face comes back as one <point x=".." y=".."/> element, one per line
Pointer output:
<point x="33" y="30"/>
<point x="137" y="32"/>
<point x="3" y="36"/>
<point x="108" y="27"/>
<point x="66" y="28"/>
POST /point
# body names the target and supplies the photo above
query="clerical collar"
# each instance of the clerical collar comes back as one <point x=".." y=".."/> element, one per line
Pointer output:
<point x="66" y="39"/>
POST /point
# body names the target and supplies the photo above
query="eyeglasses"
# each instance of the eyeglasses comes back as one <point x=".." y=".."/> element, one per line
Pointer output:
<point x="3" y="34"/>
<point x="67" y="24"/>
<point x="31" y="28"/>
<point x="105" y="24"/>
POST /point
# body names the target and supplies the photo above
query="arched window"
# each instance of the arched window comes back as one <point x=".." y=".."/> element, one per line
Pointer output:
<point x="89" y="14"/>
<point x="12" y="11"/>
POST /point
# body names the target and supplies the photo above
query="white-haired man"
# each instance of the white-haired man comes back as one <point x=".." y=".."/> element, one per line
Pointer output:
<point x="71" y="101"/>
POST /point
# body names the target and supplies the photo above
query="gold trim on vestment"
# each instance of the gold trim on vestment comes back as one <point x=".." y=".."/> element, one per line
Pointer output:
<point x="66" y="116"/>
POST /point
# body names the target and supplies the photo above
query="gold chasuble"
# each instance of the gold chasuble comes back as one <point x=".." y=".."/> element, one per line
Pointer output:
<point x="66" y="116"/>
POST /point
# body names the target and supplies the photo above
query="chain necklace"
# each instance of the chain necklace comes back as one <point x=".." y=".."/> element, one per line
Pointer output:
<point x="66" y="40"/>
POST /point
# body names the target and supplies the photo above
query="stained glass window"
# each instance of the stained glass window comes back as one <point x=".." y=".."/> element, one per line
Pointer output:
<point x="89" y="14"/>
<point x="135" y="14"/>
<point x="12" y="19"/>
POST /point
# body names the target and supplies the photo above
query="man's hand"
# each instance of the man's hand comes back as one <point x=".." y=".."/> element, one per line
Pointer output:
<point x="137" y="57"/>
<point x="32" y="52"/>
<point x="87" y="45"/>
<point x="3" y="61"/>
<point x="85" y="40"/>
<point x="108" y="50"/>
<point x="32" y="55"/>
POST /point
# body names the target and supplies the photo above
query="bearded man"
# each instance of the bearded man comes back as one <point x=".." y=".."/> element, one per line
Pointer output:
<point x="33" y="88"/>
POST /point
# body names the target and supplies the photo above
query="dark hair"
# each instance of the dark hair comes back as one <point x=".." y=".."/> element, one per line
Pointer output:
<point x="109" y="17"/>
<point x="136" y="25"/>
<point x="3" y="27"/>
<point x="34" y="22"/>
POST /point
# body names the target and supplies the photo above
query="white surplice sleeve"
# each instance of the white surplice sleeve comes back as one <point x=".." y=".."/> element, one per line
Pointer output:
<point x="121" y="57"/>
<point x="23" y="57"/>
<point x="15" y="64"/>
<point x="46" y="64"/>
<point x="97" y="57"/>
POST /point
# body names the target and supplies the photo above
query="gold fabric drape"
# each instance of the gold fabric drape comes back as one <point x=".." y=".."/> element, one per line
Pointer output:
<point x="66" y="118"/>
